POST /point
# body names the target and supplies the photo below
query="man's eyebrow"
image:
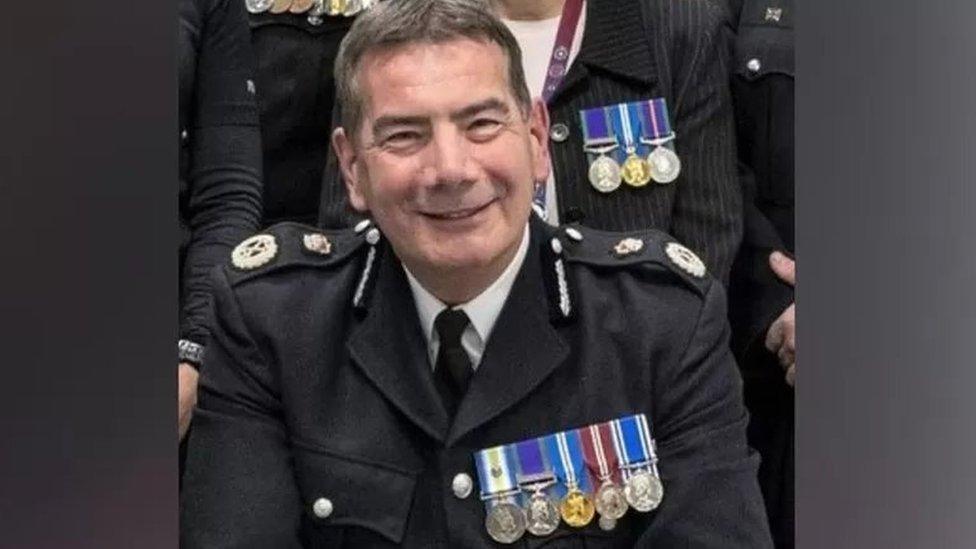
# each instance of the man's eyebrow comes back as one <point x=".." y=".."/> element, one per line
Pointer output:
<point x="491" y="104"/>
<point x="385" y="122"/>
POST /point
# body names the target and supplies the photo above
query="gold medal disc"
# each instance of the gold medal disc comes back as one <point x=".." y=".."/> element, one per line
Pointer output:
<point x="636" y="172"/>
<point x="577" y="509"/>
<point x="280" y="6"/>
<point x="301" y="6"/>
<point x="336" y="7"/>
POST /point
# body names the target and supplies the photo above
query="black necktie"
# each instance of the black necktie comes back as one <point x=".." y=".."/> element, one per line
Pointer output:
<point x="452" y="370"/>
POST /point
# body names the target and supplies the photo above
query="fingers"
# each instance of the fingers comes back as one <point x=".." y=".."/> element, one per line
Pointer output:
<point x="791" y="375"/>
<point x="188" y="377"/>
<point x="781" y="340"/>
<point x="784" y="267"/>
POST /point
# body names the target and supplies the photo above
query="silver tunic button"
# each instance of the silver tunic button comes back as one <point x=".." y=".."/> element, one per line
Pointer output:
<point x="322" y="508"/>
<point x="557" y="246"/>
<point x="754" y="65"/>
<point x="574" y="234"/>
<point x="372" y="236"/>
<point x="362" y="226"/>
<point x="559" y="132"/>
<point x="462" y="485"/>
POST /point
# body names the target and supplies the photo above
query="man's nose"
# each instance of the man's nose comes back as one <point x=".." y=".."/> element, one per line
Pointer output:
<point x="451" y="160"/>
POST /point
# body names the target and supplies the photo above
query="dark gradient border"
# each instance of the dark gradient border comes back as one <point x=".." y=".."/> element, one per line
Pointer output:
<point x="88" y="275"/>
<point x="886" y="166"/>
<point x="885" y="172"/>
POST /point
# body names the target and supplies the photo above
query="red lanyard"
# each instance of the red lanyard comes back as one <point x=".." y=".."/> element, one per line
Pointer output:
<point x="559" y="60"/>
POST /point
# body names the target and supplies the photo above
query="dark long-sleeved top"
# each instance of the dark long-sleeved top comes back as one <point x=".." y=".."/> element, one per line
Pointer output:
<point x="294" y="54"/>
<point x="762" y="82"/>
<point x="220" y="153"/>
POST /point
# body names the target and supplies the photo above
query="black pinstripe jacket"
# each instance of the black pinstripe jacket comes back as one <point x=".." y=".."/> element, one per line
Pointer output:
<point x="640" y="49"/>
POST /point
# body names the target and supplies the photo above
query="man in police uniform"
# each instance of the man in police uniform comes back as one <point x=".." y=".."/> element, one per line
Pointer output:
<point x="352" y="374"/>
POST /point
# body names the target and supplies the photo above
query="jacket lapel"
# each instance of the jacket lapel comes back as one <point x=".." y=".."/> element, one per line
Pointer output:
<point x="614" y="41"/>
<point x="522" y="351"/>
<point x="389" y="347"/>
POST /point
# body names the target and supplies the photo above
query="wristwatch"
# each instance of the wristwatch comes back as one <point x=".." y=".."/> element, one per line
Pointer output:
<point x="190" y="352"/>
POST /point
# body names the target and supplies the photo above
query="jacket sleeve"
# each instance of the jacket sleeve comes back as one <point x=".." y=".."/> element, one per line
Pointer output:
<point x="711" y="496"/>
<point x="239" y="489"/>
<point x="224" y="204"/>
<point x="708" y="202"/>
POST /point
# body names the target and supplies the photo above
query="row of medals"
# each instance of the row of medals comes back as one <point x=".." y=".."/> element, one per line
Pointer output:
<point x="661" y="165"/>
<point x="507" y="521"/>
<point x="315" y="8"/>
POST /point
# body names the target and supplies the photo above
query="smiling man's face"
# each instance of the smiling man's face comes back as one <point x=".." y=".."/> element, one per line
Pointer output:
<point x="444" y="160"/>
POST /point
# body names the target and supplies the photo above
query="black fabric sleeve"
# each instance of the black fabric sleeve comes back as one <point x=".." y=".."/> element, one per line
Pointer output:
<point x="224" y="176"/>
<point x="708" y="470"/>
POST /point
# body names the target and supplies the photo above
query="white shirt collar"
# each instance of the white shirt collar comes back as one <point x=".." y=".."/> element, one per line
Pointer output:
<point x="483" y="310"/>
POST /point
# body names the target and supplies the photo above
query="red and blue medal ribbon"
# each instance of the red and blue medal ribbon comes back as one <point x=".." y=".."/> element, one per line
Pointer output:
<point x="599" y="452"/>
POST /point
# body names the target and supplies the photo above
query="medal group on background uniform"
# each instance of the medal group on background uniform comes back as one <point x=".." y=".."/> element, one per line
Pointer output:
<point x="601" y="469"/>
<point x="315" y="8"/>
<point x="630" y="143"/>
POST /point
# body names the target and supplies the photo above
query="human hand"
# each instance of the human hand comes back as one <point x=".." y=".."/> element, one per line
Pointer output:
<point x="781" y="337"/>
<point x="188" y="377"/>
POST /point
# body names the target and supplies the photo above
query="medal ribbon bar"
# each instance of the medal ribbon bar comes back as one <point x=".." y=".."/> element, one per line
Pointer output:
<point x="599" y="452"/>
<point x="495" y="473"/>
<point x="533" y="463"/>
<point x="655" y="121"/>
<point x="625" y="126"/>
<point x="596" y="129"/>
<point x="566" y="454"/>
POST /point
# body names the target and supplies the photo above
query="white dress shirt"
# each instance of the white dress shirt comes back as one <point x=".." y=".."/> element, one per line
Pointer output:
<point x="483" y="310"/>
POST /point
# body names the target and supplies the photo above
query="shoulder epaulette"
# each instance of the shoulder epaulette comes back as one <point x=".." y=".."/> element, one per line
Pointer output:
<point x="291" y="244"/>
<point x="624" y="249"/>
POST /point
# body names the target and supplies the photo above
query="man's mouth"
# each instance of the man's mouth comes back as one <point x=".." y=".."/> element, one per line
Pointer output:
<point x="463" y="213"/>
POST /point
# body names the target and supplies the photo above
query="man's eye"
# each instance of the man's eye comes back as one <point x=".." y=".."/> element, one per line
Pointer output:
<point x="484" y="127"/>
<point x="401" y="139"/>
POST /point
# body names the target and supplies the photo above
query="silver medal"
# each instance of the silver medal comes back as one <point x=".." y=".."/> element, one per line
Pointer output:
<point x="665" y="165"/>
<point x="541" y="514"/>
<point x="258" y="6"/>
<point x="610" y="501"/>
<point x="605" y="174"/>
<point x="505" y="521"/>
<point x="644" y="491"/>
<point x="607" y="523"/>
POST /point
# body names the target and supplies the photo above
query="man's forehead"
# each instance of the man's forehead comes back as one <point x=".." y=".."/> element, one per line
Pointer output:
<point x="421" y="71"/>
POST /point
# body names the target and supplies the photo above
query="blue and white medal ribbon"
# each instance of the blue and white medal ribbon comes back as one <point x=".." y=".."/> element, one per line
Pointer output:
<point x="635" y="446"/>
<point x="566" y="453"/>
<point x="627" y="124"/>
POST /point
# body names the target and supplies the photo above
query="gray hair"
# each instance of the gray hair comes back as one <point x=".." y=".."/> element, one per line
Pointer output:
<point x="398" y="22"/>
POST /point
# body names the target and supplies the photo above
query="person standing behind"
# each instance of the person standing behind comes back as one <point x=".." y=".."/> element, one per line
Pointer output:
<point x="295" y="43"/>
<point x="220" y="166"/>
<point x="580" y="55"/>
<point x="761" y="309"/>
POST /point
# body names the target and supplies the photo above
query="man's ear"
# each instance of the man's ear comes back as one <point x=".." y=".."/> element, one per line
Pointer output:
<point x="346" y="153"/>
<point x="539" y="133"/>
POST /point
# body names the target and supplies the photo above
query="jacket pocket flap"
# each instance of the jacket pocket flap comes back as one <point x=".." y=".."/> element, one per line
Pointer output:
<point x="345" y="491"/>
